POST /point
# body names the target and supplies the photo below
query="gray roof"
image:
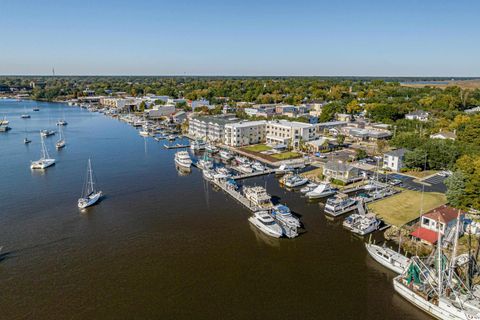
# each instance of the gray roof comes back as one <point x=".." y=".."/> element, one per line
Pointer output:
<point x="418" y="113"/>
<point x="337" y="166"/>
<point x="396" y="153"/>
<point x="220" y="120"/>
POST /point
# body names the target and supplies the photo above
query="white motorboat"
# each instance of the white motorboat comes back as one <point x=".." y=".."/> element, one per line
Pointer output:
<point x="210" y="148"/>
<point x="321" y="191"/>
<point x="339" y="205"/>
<point x="208" y="174"/>
<point x="90" y="194"/>
<point x="258" y="196"/>
<point x="182" y="159"/>
<point x="144" y="133"/>
<point x="283" y="169"/>
<point x="46" y="133"/>
<point x="387" y="257"/>
<point x="294" y="181"/>
<point x="224" y="171"/>
<point x="45" y="161"/>
<point x="225" y="155"/>
<point x="309" y="187"/>
<point x="242" y="160"/>
<point x="352" y="220"/>
<point x="283" y="214"/>
<point x="61" y="142"/>
<point x="366" y="225"/>
<point x="36" y="109"/>
<point x="265" y="223"/>
<point x="197" y="145"/>
<point x="62" y="122"/>
<point x="258" y="166"/>
<point x="205" y="163"/>
<point x="245" y="168"/>
<point x="25" y="116"/>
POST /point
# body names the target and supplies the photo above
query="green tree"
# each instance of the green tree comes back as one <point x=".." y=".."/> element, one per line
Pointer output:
<point x="455" y="189"/>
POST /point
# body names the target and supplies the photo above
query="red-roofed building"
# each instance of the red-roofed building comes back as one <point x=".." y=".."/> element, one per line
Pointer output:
<point x="442" y="218"/>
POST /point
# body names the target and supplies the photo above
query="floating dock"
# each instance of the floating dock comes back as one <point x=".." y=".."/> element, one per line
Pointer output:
<point x="179" y="146"/>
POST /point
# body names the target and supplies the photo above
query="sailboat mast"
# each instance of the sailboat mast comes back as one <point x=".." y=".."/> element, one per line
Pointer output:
<point x="44" y="149"/>
<point x="454" y="251"/>
<point x="439" y="262"/>
<point x="90" y="174"/>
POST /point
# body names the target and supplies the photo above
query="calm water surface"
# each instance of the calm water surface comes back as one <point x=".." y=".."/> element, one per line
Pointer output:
<point x="161" y="245"/>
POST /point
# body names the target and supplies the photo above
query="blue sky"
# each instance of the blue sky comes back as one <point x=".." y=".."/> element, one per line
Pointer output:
<point x="368" y="38"/>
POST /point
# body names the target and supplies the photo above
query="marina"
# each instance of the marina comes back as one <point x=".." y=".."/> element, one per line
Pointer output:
<point x="139" y="219"/>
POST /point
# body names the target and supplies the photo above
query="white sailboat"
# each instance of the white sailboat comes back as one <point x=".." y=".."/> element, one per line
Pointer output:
<point x="90" y="195"/>
<point x="61" y="142"/>
<point x="45" y="161"/>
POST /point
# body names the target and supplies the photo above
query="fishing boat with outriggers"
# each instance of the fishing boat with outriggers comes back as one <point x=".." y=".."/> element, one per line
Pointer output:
<point x="45" y="161"/>
<point x="90" y="194"/>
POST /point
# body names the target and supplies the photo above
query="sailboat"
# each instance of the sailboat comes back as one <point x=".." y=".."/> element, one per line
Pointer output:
<point x="26" y="140"/>
<point x="45" y="161"/>
<point x="90" y="195"/>
<point x="25" y="115"/>
<point x="61" y="142"/>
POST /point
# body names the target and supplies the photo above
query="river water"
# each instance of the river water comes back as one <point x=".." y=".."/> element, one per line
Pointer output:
<point x="161" y="245"/>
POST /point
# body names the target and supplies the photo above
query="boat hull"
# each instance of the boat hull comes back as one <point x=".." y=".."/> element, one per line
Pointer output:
<point x="267" y="231"/>
<point x="395" y="268"/>
<point x="87" y="202"/>
<point x="42" y="164"/>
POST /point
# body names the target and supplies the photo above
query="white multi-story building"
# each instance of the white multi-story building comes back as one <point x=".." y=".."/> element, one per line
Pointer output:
<point x="209" y="127"/>
<point x="120" y="103"/>
<point x="159" y="111"/>
<point x="289" y="133"/>
<point x="393" y="160"/>
<point x="245" y="133"/>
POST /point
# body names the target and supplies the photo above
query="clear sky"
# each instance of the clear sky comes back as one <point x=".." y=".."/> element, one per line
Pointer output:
<point x="243" y="37"/>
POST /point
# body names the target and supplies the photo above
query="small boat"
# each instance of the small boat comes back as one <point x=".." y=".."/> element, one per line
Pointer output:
<point x="265" y="223"/>
<point x="197" y="145"/>
<point x="45" y="161"/>
<point x="25" y="116"/>
<point x="339" y="205"/>
<point x="258" y="166"/>
<point x="208" y="174"/>
<point x="61" y="142"/>
<point x="224" y="171"/>
<point x="258" y="196"/>
<point x="36" y="109"/>
<point x="283" y="169"/>
<point x="143" y="133"/>
<point x="366" y="225"/>
<point x="225" y="155"/>
<point x="210" y="148"/>
<point x="387" y="257"/>
<point x="171" y="137"/>
<point x="4" y="128"/>
<point x="283" y="214"/>
<point x="4" y="122"/>
<point x="182" y="159"/>
<point x="46" y="133"/>
<point x="26" y="140"/>
<point x="321" y="191"/>
<point x="245" y="168"/>
<point x="62" y="122"/>
<point x="90" y="195"/>
<point x="351" y="220"/>
<point x="309" y="187"/>
<point x="294" y="181"/>
<point x="242" y="160"/>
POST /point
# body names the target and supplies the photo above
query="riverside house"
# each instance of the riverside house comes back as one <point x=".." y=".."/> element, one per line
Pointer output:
<point x="339" y="170"/>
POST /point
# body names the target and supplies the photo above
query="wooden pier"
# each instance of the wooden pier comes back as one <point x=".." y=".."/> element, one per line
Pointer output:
<point x="181" y="146"/>
<point x="253" y="174"/>
<point x="236" y="195"/>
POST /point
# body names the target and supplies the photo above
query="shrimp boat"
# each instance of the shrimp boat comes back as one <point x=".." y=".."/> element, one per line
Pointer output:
<point x="61" y="142"/>
<point x="90" y="195"/>
<point x="387" y="257"/>
<point x="45" y="161"/>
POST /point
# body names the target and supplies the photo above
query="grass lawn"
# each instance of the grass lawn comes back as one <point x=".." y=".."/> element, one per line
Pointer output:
<point x="257" y="148"/>
<point x="405" y="206"/>
<point x="286" y="155"/>
<point x="315" y="174"/>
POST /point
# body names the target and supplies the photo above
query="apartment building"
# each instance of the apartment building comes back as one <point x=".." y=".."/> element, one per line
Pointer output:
<point x="289" y="133"/>
<point x="210" y="128"/>
<point x="245" y="133"/>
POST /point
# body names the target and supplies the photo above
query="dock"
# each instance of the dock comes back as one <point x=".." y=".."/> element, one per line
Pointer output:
<point x="178" y="146"/>
<point x="236" y="195"/>
<point x="253" y="174"/>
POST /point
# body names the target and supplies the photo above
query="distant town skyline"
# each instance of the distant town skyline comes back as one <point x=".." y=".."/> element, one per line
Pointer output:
<point x="247" y="38"/>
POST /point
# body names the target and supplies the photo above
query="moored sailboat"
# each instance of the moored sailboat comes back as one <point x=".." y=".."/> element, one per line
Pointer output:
<point x="90" y="194"/>
<point x="45" y="161"/>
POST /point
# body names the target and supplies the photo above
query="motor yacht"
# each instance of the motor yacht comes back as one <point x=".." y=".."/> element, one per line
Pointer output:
<point x="283" y="214"/>
<point x="294" y="181"/>
<point x="265" y="223"/>
<point x="339" y="205"/>
<point x="182" y="159"/>
<point x="321" y="191"/>
<point x="258" y="196"/>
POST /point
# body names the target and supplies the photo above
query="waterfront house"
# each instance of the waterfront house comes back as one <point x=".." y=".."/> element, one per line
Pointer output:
<point x="339" y="170"/>
<point x="419" y="115"/>
<point x="442" y="219"/>
<point x="393" y="160"/>
<point x="322" y="144"/>
<point x="444" y="135"/>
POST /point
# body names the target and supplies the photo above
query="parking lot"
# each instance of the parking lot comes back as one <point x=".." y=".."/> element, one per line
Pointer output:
<point x="433" y="184"/>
